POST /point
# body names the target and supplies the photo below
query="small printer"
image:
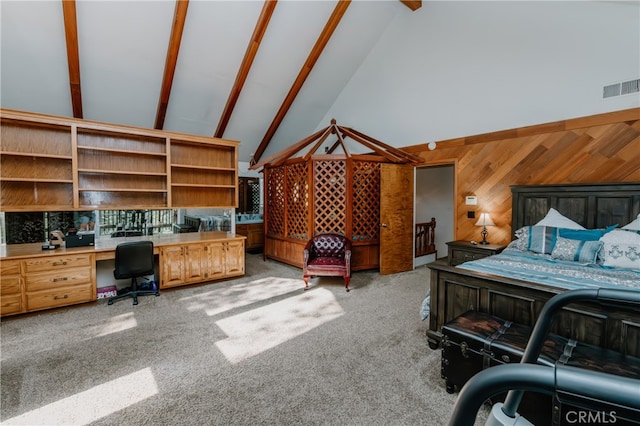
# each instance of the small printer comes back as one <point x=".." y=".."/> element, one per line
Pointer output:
<point x="79" y="240"/>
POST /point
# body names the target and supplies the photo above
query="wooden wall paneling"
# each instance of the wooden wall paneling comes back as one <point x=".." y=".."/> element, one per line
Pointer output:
<point x="595" y="149"/>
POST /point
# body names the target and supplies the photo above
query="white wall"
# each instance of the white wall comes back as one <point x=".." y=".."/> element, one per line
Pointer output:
<point x="434" y="198"/>
<point x="456" y="68"/>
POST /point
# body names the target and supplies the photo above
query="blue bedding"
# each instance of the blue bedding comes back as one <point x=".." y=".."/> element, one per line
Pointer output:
<point x="543" y="269"/>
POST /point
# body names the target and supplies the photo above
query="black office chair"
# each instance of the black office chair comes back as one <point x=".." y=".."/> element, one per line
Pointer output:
<point x="134" y="259"/>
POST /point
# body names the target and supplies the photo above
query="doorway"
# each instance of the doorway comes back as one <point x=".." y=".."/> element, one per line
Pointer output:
<point x="435" y="197"/>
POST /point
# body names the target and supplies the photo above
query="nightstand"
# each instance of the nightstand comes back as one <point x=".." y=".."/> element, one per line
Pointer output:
<point x="464" y="251"/>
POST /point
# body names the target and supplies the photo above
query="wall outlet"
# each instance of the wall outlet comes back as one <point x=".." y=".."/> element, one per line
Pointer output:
<point x="471" y="215"/>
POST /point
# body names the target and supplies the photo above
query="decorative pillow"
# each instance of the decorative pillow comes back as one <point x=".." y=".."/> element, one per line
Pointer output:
<point x="576" y="250"/>
<point x="633" y="226"/>
<point x="522" y="239"/>
<point x="556" y="219"/>
<point x="542" y="239"/>
<point x="624" y="241"/>
<point x="581" y="234"/>
<point x="622" y="255"/>
<point x="621" y="236"/>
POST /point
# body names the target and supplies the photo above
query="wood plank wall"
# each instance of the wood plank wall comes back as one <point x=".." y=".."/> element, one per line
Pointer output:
<point x="593" y="149"/>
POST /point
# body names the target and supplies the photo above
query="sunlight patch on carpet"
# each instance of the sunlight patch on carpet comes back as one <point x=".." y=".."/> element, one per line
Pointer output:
<point x="115" y="325"/>
<point x="92" y="404"/>
<point x="253" y="332"/>
<point x="224" y="299"/>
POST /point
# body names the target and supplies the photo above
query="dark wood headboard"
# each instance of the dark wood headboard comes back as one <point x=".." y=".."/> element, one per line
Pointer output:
<point x="591" y="205"/>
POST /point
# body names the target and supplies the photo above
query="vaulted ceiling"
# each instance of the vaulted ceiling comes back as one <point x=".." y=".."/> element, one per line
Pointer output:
<point x="261" y="72"/>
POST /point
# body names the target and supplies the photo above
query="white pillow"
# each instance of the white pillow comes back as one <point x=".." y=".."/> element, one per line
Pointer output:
<point x="621" y="236"/>
<point x="633" y="226"/>
<point x="556" y="219"/>
<point x="622" y="255"/>
<point x="621" y="249"/>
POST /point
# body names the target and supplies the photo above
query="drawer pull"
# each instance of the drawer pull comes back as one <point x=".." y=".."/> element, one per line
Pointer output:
<point x="66" y="296"/>
<point x="55" y="280"/>
<point x="63" y="263"/>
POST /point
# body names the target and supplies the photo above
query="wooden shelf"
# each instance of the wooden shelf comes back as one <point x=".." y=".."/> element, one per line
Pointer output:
<point x="75" y="164"/>
<point x="118" y="172"/>
<point x="123" y="151"/>
<point x="32" y="154"/>
<point x="36" y="196"/>
<point x="16" y="179"/>
<point x="187" y="166"/>
<point x="120" y="190"/>
<point x="195" y="185"/>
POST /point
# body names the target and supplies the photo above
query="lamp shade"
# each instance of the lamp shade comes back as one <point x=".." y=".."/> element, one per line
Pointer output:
<point x="485" y="220"/>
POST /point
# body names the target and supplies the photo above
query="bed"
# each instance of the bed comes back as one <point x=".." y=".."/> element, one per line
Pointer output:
<point x="481" y="285"/>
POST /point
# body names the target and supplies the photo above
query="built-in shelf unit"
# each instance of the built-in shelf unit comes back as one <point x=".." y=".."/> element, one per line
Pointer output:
<point x="58" y="163"/>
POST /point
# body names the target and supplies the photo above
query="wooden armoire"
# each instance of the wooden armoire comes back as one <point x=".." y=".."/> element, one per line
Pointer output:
<point x="334" y="191"/>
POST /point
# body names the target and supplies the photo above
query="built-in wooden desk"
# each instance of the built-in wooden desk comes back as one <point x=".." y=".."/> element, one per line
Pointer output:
<point x="34" y="279"/>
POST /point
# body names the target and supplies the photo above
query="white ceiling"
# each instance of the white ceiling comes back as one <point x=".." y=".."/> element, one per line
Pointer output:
<point x="123" y="48"/>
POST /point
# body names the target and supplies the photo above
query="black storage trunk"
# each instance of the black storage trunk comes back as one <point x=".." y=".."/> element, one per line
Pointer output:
<point x="475" y="341"/>
<point x="589" y="357"/>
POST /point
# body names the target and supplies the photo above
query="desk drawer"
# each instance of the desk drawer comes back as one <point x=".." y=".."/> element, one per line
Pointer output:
<point x="59" y="297"/>
<point x="9" y="267"/>
<point x="10" y="304"/>
<point x="58" y="279"/>
<point x="38" y="264"/>
<point x="9" y="284"/>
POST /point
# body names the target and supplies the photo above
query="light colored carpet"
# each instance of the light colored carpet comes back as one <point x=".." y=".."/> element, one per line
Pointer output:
<point x="254" y="350"/>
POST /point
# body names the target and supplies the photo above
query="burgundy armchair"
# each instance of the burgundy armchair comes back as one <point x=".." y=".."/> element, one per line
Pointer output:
<point x="327" y="255"/>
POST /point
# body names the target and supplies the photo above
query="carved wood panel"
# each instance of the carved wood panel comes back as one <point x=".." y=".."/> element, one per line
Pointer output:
<point x="329" y="193"/>
<point x="274" y="200"/>
<point x="366" y="201"/>
<point x="297" y="195"/>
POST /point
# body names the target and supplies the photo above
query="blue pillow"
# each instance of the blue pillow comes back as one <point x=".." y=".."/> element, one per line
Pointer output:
<point x="611" y="228"/>
<point x="542" y="239"/>
<point x="581" y="234"/>
<point x="576" y="250"/>
<point x="585" y="234"/>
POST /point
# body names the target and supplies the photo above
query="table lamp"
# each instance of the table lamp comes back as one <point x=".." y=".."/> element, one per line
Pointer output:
<point x="484" y="221"/>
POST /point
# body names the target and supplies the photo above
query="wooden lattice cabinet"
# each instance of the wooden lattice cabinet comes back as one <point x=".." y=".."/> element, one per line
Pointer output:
<point x="326" y="193"/>
<point x="53" y="163"/>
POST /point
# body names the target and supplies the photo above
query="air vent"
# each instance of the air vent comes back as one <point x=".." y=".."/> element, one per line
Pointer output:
<point x="631" y="86"/>
<point x="623" y="88"/>
<point x="611" y="90"/>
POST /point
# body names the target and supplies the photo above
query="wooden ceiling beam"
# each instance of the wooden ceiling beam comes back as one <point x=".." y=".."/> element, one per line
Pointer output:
<point x="249" y="55"/>
<point x="73" y="56"/>
<point x="316" y="51"/>
<point x="364" y="141"/>
<point x="395" y="151"/>
<point x="179" y="18"/>
<point x="292" y="150"/>
<point x="412" y="4"/>
<point x="317" y="145"/>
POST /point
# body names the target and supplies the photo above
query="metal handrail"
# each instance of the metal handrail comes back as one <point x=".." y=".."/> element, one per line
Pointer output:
<point x="564" y="380"/>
